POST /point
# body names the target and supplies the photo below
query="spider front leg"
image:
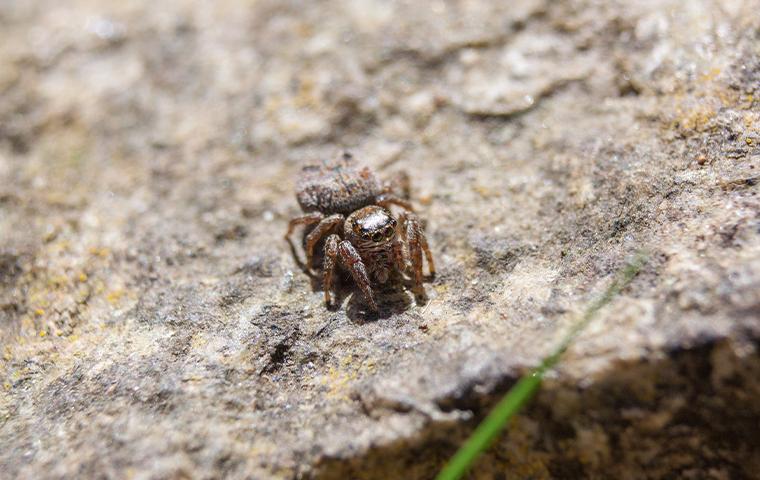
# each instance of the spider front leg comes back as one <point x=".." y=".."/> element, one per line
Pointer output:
<point x="335" y="249"/>
<point x="385" y="200"/>
<point x="416" y="244"/>
<point x="324" y="225"/>
<point x="322" y="229"/>
<point x="396" y="192"/>
<point x="308" y="219"/>
<point x="399" y="185"/>
<point x="331" y="254"/>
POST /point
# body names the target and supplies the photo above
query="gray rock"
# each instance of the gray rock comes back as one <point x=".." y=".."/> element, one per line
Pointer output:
<point x="154" y="324"/>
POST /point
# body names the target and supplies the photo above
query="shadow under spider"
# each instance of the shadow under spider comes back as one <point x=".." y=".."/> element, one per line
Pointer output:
<point x="392" y="298"/>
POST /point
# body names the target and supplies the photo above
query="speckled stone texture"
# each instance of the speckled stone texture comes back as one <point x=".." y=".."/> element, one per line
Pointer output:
<point x="154" y="324"/>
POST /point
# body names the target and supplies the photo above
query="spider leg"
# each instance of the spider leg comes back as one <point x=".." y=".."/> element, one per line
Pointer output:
<point x="331" y="254"/>
<point x="416" y="244"/>
<point x="400" y="256"/>
<point x="385" y="200"/>
<point x="308" y="219"/>
<point x="350" y="259"/>
<point x="399" y="185"/>
<point x="323" y="228"/>
<point x="428" y="253"/>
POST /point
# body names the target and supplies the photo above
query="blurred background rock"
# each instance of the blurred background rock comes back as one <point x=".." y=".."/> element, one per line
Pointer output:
<point x="153" y="324"/>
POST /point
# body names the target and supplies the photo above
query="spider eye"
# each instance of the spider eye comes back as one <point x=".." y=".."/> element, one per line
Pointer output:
<point x="388" y="232"/>
<point x="377" y="236"/>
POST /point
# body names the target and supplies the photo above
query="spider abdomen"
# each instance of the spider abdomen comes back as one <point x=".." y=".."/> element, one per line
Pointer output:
<point x="336" y="187"/>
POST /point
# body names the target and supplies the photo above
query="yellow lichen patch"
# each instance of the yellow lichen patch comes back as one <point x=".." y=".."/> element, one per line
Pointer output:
<point x="57" y="281"/>
<point x="339" y="379"/>
<point x="306" y="97"/>
<point x="59" y="247"/>
<point x="101" y="252"/>
<point x="198" y="341"/>
<point x="696" y="119"/>
<point x="750" y="119"/>
<point x="98" y="288"/>
<point x="728" y="98"/>
<point x="483" y="191"/>
<point x="582" y="191"/>
<point x="262" y="448"/>
<point x="696" y="110"/>
<point x="710" y="75"/>
<point x="114" y="296"/>
<point x="370" y="366"/>
<point x="58" y="290"/>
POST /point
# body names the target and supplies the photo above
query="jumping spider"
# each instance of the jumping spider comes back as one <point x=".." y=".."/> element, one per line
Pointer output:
<point x="339" y="196"/>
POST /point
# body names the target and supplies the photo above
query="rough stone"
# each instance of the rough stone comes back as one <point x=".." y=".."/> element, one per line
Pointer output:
<point x="154" y="324"/>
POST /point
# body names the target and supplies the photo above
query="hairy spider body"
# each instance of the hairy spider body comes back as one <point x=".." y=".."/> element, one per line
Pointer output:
<point x="379" y="225"/>
<point x="341" y="198"/>
<point x="338" y="187"/>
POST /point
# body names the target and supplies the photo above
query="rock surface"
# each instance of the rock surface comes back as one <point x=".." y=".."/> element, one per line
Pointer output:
<point x="154" y="324"/>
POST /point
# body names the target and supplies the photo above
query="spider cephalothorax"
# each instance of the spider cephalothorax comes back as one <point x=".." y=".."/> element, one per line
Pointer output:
<point x="352" y="206"/>
<point x="371" y="225"/>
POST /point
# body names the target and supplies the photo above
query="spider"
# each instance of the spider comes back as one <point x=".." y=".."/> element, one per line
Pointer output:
<point x="351" y="205"/>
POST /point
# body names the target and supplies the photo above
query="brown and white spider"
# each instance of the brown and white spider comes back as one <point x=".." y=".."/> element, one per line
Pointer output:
<point x="351" y="205"/>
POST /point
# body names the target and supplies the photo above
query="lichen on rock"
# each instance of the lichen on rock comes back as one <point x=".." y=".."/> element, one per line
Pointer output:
<point x="154" y="324"/>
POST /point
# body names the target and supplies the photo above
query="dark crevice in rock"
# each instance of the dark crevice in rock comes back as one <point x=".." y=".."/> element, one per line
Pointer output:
<point x="650" y="415"/>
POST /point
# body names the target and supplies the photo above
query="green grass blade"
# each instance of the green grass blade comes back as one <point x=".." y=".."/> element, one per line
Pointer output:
<point x="527" y="386"/>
